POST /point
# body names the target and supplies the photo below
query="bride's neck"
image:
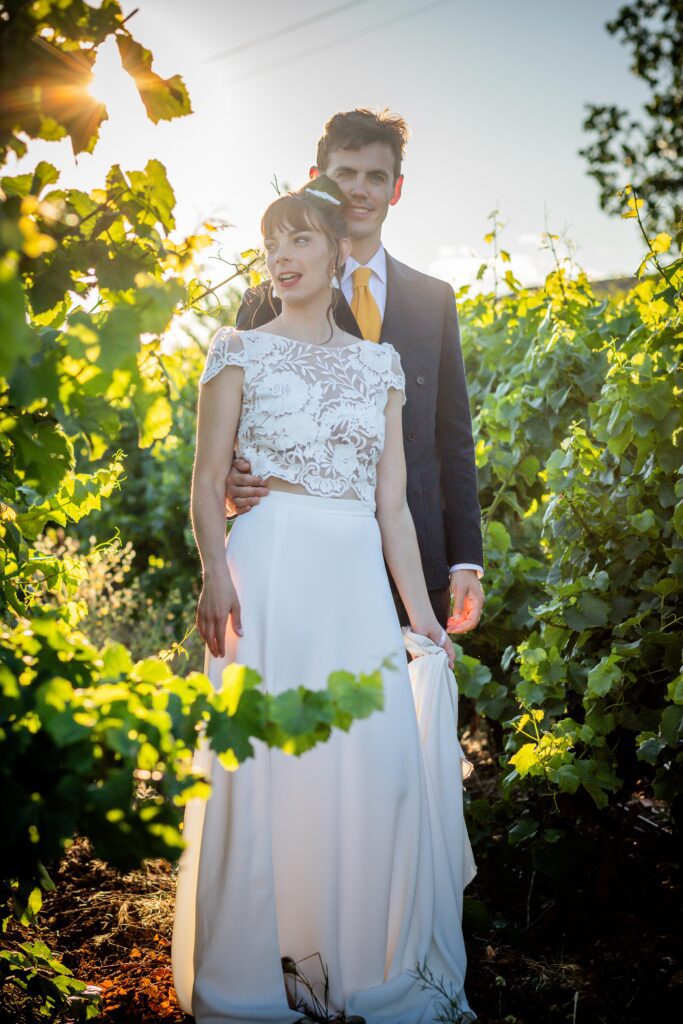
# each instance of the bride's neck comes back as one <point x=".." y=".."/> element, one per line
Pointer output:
<point x="306" y="321"/>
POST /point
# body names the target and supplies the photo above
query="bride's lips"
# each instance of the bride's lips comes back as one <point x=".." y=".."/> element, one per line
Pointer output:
<point x="288" y="280"/>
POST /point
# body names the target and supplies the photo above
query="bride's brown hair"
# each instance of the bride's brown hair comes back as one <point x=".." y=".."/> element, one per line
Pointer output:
<point x="318" y="206"/>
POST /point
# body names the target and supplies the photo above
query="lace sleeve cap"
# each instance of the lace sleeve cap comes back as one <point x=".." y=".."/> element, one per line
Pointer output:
<point x="396" y="378"/>
<point x="226" y="349"/>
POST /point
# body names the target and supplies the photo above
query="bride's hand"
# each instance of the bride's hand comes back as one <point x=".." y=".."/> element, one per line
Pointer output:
<point x="436" y="633"/>
<point x="217" y="601"/>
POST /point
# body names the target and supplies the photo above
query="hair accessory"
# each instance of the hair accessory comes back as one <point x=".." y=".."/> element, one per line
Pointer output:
<point x="321" y="195"/>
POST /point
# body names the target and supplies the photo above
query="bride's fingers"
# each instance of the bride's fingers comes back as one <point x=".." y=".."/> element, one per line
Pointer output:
<point x="212" y="634"/>
<point x="205" y="632"/>
<point x="220" y="627"/>
<point x="212" y="628"/>
<point x="211" y="637"/>
<point x="236" y="617"/>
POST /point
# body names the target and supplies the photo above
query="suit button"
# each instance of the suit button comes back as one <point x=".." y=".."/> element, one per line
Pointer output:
<point x="420" y="379"/>
<point x="411" y="435"/>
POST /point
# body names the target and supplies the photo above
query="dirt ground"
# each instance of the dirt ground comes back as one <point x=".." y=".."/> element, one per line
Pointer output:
<point x="599" y="948"/>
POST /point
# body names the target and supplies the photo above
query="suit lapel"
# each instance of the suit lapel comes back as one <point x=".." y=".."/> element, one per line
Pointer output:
<point x="397" y="313"/>
<point x="344" y="317"/>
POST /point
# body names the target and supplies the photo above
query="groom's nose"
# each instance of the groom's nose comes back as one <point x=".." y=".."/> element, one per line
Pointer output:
<point x="359" y="186"/>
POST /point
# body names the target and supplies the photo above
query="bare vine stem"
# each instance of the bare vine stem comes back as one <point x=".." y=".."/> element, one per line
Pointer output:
<point x="644" y="234"/>
<point x="558" y="267"/>
<point x="239" y="272"/>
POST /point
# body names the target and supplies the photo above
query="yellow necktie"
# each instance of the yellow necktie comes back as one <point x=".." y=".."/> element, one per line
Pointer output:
<point x="363" y="305"/>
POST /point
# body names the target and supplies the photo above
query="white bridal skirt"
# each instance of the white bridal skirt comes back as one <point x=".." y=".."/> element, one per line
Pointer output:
<point x="336" y="859"/>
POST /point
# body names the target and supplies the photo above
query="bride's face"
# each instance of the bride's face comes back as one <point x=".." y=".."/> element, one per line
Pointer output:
<point x="299" y="261"/>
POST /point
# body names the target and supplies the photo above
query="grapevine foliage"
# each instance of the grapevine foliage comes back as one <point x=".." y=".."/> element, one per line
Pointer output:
<point x="93" y="743"/>
<point x="576" y="403"/>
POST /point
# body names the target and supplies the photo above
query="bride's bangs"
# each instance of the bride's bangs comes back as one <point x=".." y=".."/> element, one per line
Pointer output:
<point x="289" y="213"/>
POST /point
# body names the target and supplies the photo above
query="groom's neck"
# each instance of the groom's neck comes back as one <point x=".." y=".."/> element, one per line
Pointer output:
<point x="363" y="249"/>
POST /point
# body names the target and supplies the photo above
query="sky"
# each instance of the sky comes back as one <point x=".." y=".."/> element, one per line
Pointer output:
<point x="493" y="93"/>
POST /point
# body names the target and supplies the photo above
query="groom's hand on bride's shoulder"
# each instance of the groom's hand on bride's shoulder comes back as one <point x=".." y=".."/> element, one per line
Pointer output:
<point x="242" y="490"/>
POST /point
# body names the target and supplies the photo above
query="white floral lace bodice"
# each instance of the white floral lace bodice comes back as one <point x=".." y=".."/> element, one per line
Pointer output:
<point x="311" y="415"/>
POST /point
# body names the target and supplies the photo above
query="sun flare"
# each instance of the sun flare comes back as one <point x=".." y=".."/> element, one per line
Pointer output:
<point x="107" y="78"/>
<point x="126" y="128"/>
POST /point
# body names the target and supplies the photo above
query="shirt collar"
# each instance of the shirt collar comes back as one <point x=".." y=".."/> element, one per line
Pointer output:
<point x="378" y="265"/>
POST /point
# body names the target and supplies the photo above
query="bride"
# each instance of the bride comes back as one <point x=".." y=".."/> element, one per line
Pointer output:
<point x="326" y="858"/>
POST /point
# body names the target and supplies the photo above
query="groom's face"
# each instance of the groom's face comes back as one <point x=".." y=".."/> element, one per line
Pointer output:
<point x="366" y="176"/>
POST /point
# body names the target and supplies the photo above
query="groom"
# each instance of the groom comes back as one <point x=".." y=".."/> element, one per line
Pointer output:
<point x="362" y="150"/>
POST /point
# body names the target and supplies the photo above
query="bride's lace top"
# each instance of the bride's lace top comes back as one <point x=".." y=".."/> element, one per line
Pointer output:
<point x="311" y="415"/>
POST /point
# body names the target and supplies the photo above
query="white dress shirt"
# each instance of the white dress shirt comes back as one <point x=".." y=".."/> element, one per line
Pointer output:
<point x="378" y="290"/>
<point x="378" y="278"/>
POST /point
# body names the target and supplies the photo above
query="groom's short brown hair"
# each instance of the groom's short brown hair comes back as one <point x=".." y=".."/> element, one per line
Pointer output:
<point x="353" y="129"/>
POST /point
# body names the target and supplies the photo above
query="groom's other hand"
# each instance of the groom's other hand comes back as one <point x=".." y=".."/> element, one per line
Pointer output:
<point x="468" y="601"/>
<point x="242" y="490"/>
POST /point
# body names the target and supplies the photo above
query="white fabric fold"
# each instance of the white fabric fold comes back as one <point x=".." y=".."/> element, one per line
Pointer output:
<point x="435" y="694"/>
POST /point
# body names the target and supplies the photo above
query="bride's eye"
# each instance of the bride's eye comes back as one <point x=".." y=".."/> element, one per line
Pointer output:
<point x="302" y="238"/>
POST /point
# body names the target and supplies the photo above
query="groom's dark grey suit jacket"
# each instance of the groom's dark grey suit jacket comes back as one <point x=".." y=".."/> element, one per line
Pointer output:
<point x="421" y="322"/>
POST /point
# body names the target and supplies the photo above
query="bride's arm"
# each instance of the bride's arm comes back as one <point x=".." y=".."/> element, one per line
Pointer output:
<point x="220" y="402"/>
<point x="399" y="541"/>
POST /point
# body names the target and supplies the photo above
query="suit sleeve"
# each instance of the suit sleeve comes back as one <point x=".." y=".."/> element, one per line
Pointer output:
<point x="455" y="445"/>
